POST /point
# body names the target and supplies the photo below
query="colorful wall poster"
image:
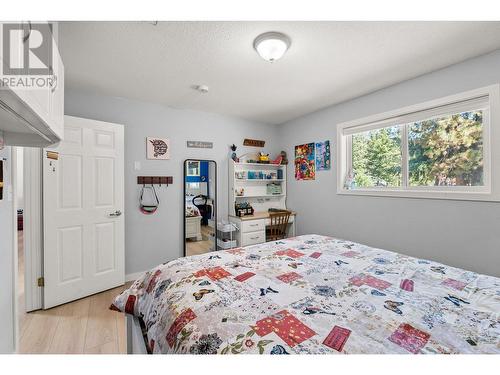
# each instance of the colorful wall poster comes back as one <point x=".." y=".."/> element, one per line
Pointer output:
<point x="323" y="156"/>
<point x="304" y="162"/>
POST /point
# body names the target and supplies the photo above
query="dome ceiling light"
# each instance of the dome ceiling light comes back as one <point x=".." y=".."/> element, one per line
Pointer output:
<point x="271" y="46"/>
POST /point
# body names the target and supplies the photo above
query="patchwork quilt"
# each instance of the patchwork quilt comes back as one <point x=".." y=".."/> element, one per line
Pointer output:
<point x="314" y="295"/>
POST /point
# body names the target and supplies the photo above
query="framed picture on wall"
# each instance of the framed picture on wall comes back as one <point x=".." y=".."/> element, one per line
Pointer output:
<point x="304" y="162"/>
<point x="323" y="156"/>
<point x="157" y="148"/>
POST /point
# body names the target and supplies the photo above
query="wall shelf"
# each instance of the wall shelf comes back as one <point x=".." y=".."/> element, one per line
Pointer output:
<point x="255" y="190"/>
<point x="259" y="165"/>
<point x="260" y="196"/>
<point x="258" y="180"/>
<point x="155" y="180"/>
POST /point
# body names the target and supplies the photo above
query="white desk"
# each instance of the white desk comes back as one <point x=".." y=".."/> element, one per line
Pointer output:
<point x="253" y="227"/>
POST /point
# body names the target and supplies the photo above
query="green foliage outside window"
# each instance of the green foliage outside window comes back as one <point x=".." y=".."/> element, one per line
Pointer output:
<point x="445" y="151"/>
<point x="376" y="157"/>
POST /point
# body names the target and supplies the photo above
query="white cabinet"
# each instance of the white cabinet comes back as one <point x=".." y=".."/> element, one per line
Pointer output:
<point x="250" y="232"/>
<point x="252" y="229"/>
<point x="255" y="237"/>
<point x="30" y="116"/>
<point x="262" y="186"/>
<point x="253" y="226"/>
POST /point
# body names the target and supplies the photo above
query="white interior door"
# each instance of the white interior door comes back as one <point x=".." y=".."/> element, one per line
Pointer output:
<point x="83" y="195"/>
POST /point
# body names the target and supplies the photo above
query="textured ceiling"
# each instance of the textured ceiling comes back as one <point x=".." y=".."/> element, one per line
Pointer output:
<point x="328" y="62"/>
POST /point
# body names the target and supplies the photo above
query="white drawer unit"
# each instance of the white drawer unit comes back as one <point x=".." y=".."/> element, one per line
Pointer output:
<point x="253" y="226"/>
<point x="193" y="227"/>
<point x="253" y="238"/>
<point x="252" y="231"/>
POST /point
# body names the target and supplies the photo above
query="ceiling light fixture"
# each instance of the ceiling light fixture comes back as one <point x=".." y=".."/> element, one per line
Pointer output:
<point x="271" y="46"/>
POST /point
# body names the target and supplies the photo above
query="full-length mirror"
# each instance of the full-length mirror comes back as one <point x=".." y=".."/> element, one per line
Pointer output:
<point x="200" y="206"/>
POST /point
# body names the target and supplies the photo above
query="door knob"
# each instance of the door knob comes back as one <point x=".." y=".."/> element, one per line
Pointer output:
<point x="116" y="213"/>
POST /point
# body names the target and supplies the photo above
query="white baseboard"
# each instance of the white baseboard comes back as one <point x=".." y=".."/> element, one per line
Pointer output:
<point x="133" y="276"/>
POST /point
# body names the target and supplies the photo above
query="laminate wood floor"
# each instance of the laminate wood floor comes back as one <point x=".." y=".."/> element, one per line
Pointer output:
<point x="83" y="326"/>
<point x="200" y="247"/>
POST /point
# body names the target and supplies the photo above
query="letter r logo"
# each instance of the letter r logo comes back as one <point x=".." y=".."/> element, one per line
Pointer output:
<point x="27" y="49"/>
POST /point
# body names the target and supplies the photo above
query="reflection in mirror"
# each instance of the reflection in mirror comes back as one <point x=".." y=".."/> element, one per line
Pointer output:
<point x="200" y="197"/>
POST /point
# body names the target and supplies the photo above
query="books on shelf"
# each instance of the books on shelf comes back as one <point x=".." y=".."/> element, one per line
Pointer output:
<point x="258" y="175"/>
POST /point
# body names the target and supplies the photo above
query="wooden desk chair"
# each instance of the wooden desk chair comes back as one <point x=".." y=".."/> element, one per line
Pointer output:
<point x="277" y="229"/>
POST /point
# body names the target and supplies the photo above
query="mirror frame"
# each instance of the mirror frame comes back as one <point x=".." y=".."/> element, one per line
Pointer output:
<point x="184" y="204"/>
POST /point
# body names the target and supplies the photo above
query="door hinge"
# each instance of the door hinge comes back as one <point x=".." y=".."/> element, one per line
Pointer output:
<point x="41" y="281"/>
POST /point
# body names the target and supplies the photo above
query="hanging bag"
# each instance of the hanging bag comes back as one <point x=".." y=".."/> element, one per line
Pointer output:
<point x="149" y="209"/>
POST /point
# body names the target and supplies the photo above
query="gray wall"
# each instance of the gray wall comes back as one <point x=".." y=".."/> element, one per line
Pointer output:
<point x="6" y="261"/>
<point x="458" y="233"/>
<point x="153" y="239"/>
<point x="463" y="234"/>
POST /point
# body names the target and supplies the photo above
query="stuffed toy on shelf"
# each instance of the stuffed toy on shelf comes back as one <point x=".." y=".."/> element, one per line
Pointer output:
<point x="263" y="158"/>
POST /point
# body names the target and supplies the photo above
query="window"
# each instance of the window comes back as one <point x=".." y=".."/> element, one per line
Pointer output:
<point x="447" y="151"/>
<point x="376" y="157"/>
<point x="193" y="168"/>
<point x="439" y="149"/>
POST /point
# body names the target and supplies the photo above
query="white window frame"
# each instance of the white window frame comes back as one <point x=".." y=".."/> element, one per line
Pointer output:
<point x="490" y="191"/>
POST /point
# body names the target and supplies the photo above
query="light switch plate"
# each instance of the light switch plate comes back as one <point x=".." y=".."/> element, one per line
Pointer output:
<point x="137" y="165"/>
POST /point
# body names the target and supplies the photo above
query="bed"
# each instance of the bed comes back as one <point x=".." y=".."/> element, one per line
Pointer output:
<point x="311" y="295"/>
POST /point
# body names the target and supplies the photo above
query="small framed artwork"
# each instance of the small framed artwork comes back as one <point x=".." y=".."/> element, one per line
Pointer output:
<point x="323" y="156"/>
<point x="157" y="148"/>
<point x="304" y="162"/>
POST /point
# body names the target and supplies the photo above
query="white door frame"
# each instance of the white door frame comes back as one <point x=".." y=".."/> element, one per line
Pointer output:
<point x="32" y="228"/>
<point x="13" y="153"/>
<point x="12" y="175"/>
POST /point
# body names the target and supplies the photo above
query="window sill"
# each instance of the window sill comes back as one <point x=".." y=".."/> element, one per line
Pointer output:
<point x="484" y="196"/>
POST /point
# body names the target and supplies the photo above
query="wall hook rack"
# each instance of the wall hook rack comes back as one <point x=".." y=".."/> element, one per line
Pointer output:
<point x="155" y="180"/>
